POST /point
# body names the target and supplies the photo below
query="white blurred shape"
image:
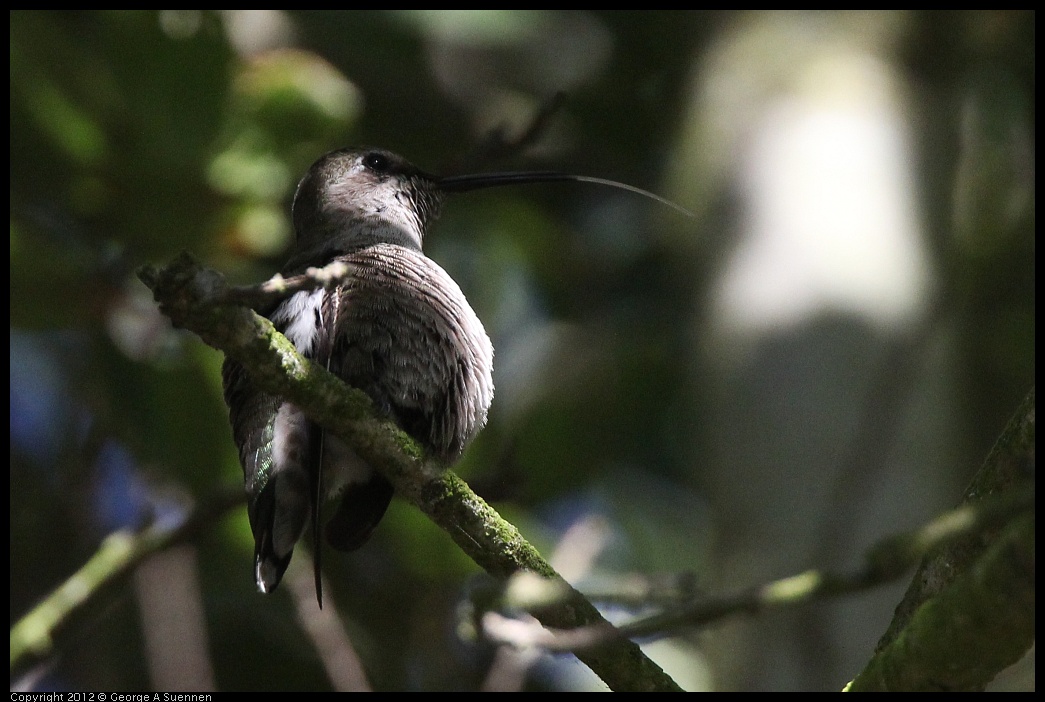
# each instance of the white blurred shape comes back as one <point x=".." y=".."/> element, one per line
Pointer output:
<point x="829" y="220"/>
<point x="254" y="32"/>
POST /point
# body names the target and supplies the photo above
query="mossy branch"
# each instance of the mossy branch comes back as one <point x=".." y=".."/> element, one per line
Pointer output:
<point x="199" y="300"/>
<point x="969" y="611"/>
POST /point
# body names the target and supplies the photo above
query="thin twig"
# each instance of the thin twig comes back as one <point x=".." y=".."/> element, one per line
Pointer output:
<point x="278" y="288"/>
<point x="886" y="561"/>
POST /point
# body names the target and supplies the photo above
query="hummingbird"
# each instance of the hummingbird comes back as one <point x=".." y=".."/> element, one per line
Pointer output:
<point x="397" y="327"/>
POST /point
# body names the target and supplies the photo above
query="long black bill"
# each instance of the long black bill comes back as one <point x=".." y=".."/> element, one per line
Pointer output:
<point x="464" y="183"/>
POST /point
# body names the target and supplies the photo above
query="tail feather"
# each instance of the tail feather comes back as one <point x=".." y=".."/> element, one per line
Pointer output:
<point x="278" y="518"/>
<point x="362" y="506"/>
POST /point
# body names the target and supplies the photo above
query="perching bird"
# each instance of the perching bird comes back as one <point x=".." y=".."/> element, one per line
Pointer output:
<point x="398" y="328"/>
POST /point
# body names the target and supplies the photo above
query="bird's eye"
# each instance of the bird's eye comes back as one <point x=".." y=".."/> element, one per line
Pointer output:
<point x="376" y="161"/>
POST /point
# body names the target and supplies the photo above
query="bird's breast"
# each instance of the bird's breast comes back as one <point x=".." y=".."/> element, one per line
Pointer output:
<point x="407" y="336"/>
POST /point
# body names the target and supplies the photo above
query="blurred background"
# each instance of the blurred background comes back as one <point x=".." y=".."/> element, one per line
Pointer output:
<point x="821" y="357"/>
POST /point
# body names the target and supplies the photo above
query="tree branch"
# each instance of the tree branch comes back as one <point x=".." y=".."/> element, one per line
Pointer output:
<point x="885" y="562"/>
<point x="969" y="612"/>
<point x="33" y="636"/>
<point x="198" y="299"/>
